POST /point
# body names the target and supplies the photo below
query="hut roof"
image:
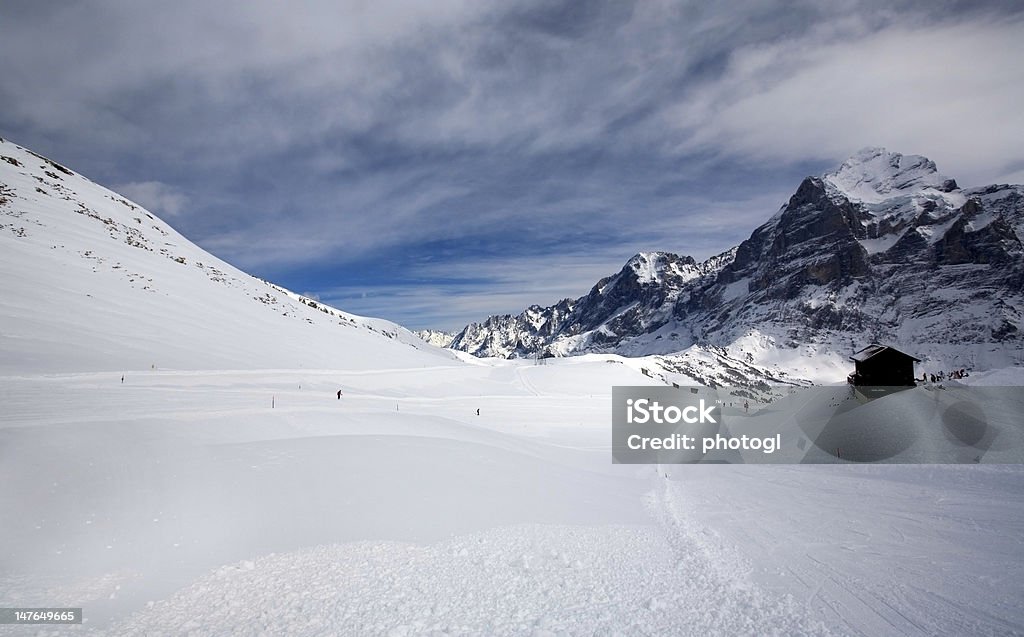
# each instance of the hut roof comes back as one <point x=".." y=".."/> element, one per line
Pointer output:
<point x="875" y="349"/>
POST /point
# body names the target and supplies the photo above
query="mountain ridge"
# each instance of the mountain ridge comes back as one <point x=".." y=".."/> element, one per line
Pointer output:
<point x="884" y="247"/>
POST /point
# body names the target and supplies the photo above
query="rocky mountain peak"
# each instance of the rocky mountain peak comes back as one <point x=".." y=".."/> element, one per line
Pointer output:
<point x="653" y="267"/>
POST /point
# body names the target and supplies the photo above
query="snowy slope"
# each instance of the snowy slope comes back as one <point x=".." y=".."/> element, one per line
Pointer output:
<point x="92" y="281"/>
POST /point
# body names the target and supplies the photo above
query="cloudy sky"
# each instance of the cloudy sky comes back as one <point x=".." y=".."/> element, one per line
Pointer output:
<point x="436" y="162"/>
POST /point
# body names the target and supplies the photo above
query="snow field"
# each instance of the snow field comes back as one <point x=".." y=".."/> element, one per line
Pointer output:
<point x="118" y="494"/>
<point x="182" y="503"/>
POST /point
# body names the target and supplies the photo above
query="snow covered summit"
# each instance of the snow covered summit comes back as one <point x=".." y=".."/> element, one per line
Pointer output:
<point x="873" y="175"/>
<point x="656" y="267"/>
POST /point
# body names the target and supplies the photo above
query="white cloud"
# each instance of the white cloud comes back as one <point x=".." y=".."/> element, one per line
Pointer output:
<point x="483" y="287"/>
<point x="157" y="197"/>
<point x="952" y="92"/>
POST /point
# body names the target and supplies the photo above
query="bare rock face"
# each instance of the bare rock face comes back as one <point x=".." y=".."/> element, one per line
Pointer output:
<point x="995" y="242"/>
<point x="814" y="241"/>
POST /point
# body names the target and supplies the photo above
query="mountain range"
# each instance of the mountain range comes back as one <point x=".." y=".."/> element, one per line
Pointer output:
<point x="882" y="249"/>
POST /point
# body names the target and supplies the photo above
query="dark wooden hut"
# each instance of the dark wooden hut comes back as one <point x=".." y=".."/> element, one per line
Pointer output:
<point x="882" y="366"/>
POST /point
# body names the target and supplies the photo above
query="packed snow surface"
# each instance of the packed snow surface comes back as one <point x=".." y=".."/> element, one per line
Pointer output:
<point x="241" y="502"/>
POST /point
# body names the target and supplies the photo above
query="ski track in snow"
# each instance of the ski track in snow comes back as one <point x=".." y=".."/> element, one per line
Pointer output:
<point x="896" y="550"/>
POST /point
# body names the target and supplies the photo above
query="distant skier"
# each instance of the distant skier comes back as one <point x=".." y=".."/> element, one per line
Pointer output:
<point x="746" y="406"/>
<point x="339" y="394"/>
<point x="477" y="411"/>
<point x="122" y="379"/>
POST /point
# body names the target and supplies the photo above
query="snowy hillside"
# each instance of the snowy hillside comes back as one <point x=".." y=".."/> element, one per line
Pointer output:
<point x="92" y="281"/>
<point x="884" y="248"/>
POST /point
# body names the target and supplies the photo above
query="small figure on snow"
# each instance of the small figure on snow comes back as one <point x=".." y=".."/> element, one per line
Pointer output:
<point x="339" y="394"/>
<point x="477" y="411"/>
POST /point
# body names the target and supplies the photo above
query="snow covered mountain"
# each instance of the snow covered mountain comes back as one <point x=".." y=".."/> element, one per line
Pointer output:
<point x="884" y="248"/>
<point x="436" y="338"/>
<point x="638" y="299"/>
<point x="92" y="281"/>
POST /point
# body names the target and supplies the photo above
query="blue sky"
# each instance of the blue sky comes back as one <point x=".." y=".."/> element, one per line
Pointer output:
<point x="437" y="162"/>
